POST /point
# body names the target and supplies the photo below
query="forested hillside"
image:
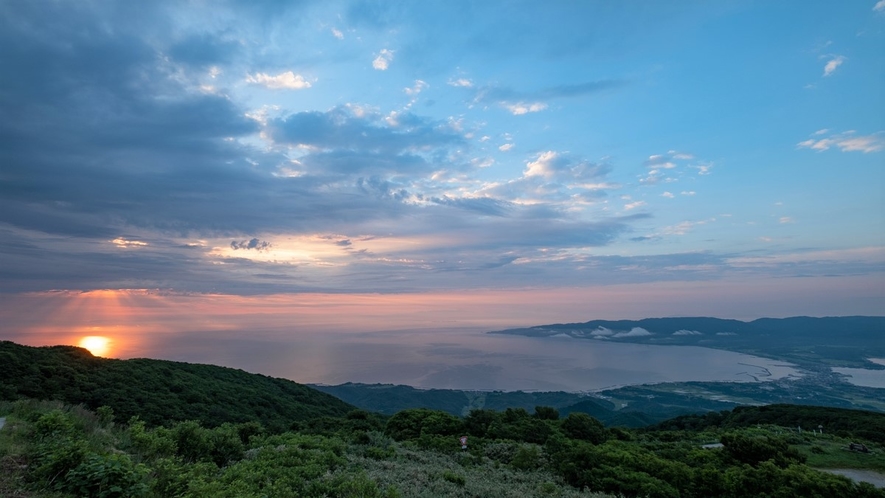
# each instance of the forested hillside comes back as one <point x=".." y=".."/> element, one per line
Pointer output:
<point x="159" y="391"/>
<point x="838" y="421"/>
<point x="389" y="399"/>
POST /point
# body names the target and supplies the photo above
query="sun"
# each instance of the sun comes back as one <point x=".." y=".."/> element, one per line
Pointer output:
<point x="97" y="345"/>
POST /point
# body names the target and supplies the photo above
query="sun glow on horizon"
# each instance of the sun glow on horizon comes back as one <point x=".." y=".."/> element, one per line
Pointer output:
<point x="96" y="344"/>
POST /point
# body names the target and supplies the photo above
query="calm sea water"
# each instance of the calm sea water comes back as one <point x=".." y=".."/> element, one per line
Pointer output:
<point x="463" y="359"/>
<point x="864" y="376"/>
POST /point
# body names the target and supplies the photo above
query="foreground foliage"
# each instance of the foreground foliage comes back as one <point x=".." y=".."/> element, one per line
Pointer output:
<point x="63" y="451"/>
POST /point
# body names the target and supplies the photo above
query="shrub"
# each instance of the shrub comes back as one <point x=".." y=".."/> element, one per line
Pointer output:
<point x="527" y="457"/>
<point x="454" y="478"/>
<point x="107" y="476"/>
<point x="584" y="427"/>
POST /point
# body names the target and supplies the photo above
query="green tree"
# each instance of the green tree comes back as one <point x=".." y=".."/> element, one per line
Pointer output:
<point x="584" y="427"/>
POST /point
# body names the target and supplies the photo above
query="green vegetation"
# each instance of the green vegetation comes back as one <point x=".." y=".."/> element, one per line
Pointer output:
<point x="838" y="421"/>
<point x="59" y="451"/>
<point x="159" y="391"/>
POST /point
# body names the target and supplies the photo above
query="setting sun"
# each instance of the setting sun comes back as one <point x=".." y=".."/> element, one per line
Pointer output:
<point x="96" y="345"/>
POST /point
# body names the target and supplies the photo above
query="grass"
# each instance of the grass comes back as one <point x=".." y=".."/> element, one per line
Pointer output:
<point x="831" y="452"/>
<point x="426" y="474"/>
<point x="835" y="455"/>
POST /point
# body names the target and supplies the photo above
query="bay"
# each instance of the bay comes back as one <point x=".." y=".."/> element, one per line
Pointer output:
<point x="473" y="360"/>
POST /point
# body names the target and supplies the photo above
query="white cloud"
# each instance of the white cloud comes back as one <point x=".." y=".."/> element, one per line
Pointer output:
<point x="602" y="331"/>
<point x="121" y="242"/>
<point x="684" y="227"/>
<point x="687" y="332"/>
<point x="544" y="165"/>
<point x="525" y="107"/>
<point x="634" y="205"/>
<point x="666" y="167"/>
<point x="847" y="142"/>
<point x="785" y="220"/>
<point x="505" y="147"/>
<point x="382" y="62"/>
<point x="553" y="165"/>
<point x="287" y="80"/>
<point x="833" y="64"/>
<point x="880" y="6"/>
<point x="461" y="82"/>
<point x="668" y="195"/>
<point x="416" y="88"/>
<point x="337" y="34"/>
<point x="634" y="332"/>
<point x="687" y="192"/>
<point x="660" y="161"/>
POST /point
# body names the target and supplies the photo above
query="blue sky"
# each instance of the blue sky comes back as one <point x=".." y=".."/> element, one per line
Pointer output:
<point x="729" y="152"/>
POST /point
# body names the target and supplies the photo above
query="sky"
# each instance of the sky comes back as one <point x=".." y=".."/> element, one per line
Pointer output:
<point x="175" y="169"/>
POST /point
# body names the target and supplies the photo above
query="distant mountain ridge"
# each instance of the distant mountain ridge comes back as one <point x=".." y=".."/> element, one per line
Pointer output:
<point x="159" y="391"/>
<point x="844" y="341"/>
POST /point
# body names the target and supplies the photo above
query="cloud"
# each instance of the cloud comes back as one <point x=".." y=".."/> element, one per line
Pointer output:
<point x="833" y="64"/>
<point x="203" y="50"/>
<point x="126" y="243"/>
<point x="521" y="108"/>
<point x="417" y="88"/>
<point x="665" y="168"/>
<point x="287" y="81"/>
<point x="337" y="33"/>
<point x="678" y="229"/>
<point x="108" y="143"/>
<point x="687" y="332"/>
<point x="846" y="142"/>
<point x="461" y="82"/>
<point x="254" y="243"/>
<point x="555" y="165"/>
<point x="602" y="331"/>
<point x="880" y="6"/>
<point x="519" y="103"/>
<point x="634" y="205"/>
<point x="668" y="195"/>
<point x="383" y="60"/>
<point x="634" y="332"/>
<point x="349" y="141"/>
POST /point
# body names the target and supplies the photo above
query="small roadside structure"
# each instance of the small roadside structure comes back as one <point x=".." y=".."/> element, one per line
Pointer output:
<point x="711" y="446"/>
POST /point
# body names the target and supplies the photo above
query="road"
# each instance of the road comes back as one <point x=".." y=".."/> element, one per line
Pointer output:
<point x="872" y="477"/>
